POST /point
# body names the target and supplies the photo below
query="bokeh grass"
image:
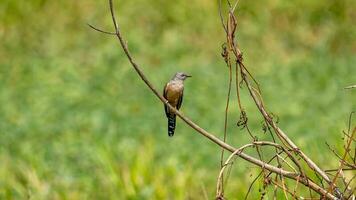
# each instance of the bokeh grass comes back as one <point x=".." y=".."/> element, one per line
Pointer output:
<point x="77" y="123"/>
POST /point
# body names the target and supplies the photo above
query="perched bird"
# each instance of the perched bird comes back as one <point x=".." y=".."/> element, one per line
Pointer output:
<point x="173" y="92"/>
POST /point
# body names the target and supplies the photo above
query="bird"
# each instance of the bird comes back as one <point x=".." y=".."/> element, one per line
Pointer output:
<point x="173" y="93"/>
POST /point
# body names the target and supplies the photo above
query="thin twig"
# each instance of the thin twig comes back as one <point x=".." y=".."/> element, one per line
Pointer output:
<point x="219" y="188"/>
<point x="254" y="180"/>
<point x="221" y="17"/>
<point x="285" y="190"/>
<point x="100" y="30"/>
<point x="226" y="117"/>
<point x="342" y="162"/>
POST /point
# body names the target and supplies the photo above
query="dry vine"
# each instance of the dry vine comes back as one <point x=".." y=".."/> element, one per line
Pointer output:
<point x="290" y="159"/>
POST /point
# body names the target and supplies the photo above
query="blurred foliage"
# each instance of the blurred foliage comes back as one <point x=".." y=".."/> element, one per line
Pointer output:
<point x="77" y="123"/>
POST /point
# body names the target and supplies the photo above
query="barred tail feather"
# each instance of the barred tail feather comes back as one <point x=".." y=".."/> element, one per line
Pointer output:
<point x="171" y="125"/>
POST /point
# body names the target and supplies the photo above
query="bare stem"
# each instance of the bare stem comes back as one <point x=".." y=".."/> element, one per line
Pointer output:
<point x="262" y="164"/>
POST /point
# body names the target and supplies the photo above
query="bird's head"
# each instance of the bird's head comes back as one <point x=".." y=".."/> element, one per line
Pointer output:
<point x="181" y="76"/>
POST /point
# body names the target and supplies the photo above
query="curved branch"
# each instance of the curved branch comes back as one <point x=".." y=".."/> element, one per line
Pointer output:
<point x="202" y="131"/>
<point x="180" y="115"/>
<point x="219" y="186"/>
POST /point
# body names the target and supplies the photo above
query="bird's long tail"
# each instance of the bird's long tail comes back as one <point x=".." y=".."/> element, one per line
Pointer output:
<point x="171" y="125"/>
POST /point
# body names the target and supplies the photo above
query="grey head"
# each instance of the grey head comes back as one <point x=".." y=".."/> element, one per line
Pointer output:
<point x="180" y="76"/>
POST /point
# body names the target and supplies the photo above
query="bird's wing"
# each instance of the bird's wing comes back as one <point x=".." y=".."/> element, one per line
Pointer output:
<point x="180" y="100"/>
<point x="166" y="109"/>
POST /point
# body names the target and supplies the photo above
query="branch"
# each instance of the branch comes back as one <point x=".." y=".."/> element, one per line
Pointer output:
<point x="179" y="114"/>
<point x="202" y="131"/>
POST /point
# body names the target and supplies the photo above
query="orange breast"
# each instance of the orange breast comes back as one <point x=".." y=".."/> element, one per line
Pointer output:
<point x="174" y="92"/>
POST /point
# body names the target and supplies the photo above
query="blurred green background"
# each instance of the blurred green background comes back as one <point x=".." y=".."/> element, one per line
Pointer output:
<point x="76" y="122"/>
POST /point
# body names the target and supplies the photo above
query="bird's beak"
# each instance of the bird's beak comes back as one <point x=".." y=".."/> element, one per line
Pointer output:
<point x="188" y="76"/>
